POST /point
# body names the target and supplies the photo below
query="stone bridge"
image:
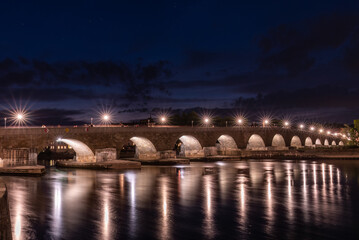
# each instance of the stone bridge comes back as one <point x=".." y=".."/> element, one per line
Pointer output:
<point x="153" y="142"/>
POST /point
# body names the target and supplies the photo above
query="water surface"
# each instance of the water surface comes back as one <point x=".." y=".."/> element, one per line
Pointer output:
<point x="222" y="200"/>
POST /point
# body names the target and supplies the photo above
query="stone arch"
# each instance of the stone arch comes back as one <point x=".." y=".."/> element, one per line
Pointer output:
<point x="295" y="142"/>
<point x="144" y="148"/>
<point x="318" y="142"/>
<point x="341" y="143"/>
<point x="188" y="146"/>
<point x="326" y="142"/>
<point x="308" y="142"/>
<point x="255" y="142"/>
<point x="227" y="142"/>
<point x="334" y="143"/>
<point x="83" y="152"/>
<point x="278" y="141"/>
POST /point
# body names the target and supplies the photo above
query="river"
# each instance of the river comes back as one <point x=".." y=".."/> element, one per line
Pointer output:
<point x="221" y="200"/>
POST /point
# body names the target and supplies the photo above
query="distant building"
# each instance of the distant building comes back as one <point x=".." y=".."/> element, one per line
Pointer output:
<point x="59" y="147"/>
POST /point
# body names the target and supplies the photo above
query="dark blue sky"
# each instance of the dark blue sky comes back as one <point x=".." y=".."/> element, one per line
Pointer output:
<point x="296" y="58"/>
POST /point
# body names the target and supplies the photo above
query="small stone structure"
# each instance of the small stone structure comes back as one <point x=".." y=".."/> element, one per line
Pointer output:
<point x="167" y="154"/>
<point x="105" y="154"/>
<point x="210" y="151"/>
<point x="19" y="157"/>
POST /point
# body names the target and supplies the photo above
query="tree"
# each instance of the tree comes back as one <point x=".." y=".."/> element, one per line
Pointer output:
<point x="353" y="133"/>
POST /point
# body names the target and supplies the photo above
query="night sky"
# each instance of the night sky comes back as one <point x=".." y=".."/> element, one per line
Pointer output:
<point x="68" y="60"/>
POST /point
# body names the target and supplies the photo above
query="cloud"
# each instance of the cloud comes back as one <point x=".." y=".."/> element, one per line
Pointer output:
<point x="136" y="81"/>
<point x="293" y="48"/>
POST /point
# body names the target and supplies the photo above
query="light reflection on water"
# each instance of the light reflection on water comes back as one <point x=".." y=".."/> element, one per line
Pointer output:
<point x="249" y="199"/>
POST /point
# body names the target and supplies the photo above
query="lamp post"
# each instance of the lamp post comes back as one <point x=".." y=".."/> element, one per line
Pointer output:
<point x="163" y="120"/>
<point x="265" y="122"/>
<point x="206" y="121"/>
<point x="106" y="118"/>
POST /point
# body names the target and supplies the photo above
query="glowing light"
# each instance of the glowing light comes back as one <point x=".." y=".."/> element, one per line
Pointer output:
<point x="163" y="119"/>
<point x="106" y="117"/>
<point x="312" y="128"/>
<point x="240" y="121"/>
<point x="286" y="123"/>
<point x="20" y="116"/>
<point x="206" y="120"/>
<point x="321" y="130"/>
<point x="59" y="140"/>
<point x="266" y="121"/>
<point x="328" y="132"/>
<point x="301" y="126"/>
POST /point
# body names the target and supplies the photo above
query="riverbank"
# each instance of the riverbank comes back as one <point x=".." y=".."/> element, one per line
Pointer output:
<point x="36" y="170"/>
<point x="5" y="223"/>
<point x="113" y="164"/>
<point x="303" y="154"/>
<point x="165" y="161"/>
<point x="292" y="154"/>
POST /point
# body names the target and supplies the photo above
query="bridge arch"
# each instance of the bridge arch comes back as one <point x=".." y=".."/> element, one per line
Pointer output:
<point x="341" y="143"/>
<point x="326" y="142"/>
<point x="308" y="142"/>
<point x="227" y="142"/>
<point x="143" y="147"/>
<point x="318" y="142"/>
<point x="188" y="146"/>
<point x="255" y="142"/>
<point x="334" y="143"/>
<point x="295" y="142"/>
<point x="278" y="141"/>
<point x="83" y="152"/>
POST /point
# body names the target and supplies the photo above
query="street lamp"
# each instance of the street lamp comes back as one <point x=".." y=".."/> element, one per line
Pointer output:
<point x="321" y="130"/>
<point x="312" y="128"/>
<point x="206" y="121"/>
<point x="265" y="122"/>
<point x="106" y="118"/>
<point x="286" y="124"/>
<point x="163" y="119"/>
<point x="301" y="126"/>
<point x="239" y="121"/>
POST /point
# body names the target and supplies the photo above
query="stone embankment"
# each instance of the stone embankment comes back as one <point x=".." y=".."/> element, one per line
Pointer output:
<point x="113" y="164"/>
<point x="5" y="224"/>
<point x="291" y="154"/>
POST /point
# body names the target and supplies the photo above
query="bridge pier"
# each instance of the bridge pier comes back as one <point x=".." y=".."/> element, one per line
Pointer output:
<point x="105" y="154"/>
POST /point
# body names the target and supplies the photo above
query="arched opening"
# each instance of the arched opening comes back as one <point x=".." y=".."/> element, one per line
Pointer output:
<point x="326" y="142"/>
<point x="295" y="142"/>
<point x="308" y="142"/>
<point x="334" y="143"/>
<point x="255" y="142"/>
<point x="83" y="152"/>
<point x="188" y="146"/>
<point x="318" y="142"/>
<point x="56" y="150"/>
<point x="341" y="143"/>
<point x="278" y="141"/>
<point x="141" y="148"/>
<point x="226" y="142"/>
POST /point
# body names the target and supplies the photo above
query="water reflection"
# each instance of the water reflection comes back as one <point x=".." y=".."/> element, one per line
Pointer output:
<point x="209" y="210"/>
<point x="253" y="199"/>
